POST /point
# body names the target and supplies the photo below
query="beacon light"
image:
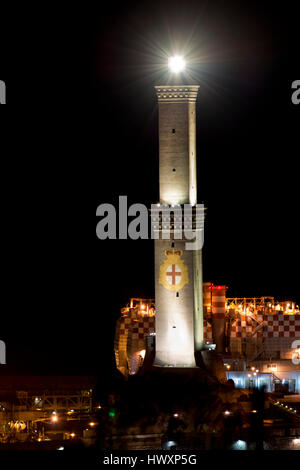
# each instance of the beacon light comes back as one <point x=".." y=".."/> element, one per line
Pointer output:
<point x="176" y="64"/>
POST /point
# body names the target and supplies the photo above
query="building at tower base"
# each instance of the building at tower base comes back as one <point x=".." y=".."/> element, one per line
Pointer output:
<point x="259" y="334"/>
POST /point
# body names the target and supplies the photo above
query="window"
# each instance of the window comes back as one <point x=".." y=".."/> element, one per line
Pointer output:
<point x="173" y="131"/>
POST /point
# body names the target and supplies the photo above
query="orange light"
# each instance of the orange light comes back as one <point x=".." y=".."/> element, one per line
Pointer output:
<point x="54" y="419"/>
<point x="92" y="424"/>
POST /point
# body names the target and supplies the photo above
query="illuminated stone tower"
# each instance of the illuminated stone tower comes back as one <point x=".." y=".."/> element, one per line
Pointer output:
<point x="178" y="271"/>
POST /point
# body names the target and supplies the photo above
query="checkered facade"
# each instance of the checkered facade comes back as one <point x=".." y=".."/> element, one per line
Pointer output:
<point x="139" y="329"/>
<point x="275" y="326"/>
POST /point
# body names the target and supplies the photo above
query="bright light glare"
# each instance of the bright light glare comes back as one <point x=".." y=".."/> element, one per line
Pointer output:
<point x="239" y="445"/>
<point x="176" y="63"/>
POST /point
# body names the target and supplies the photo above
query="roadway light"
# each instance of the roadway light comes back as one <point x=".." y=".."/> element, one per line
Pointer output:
<point x="176" y="63"/>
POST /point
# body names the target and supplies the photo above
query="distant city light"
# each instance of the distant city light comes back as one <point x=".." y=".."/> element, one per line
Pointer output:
<point x="168" y="445"/>
<point x="239" y="445"/>
<point x="176" y="63"/>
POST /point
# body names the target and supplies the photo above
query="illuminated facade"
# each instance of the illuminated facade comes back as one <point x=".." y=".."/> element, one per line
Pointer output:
<point x="178" y="271"/>
<point x="137" y="321"/>
<point x="252" y="334"/>
<point x="190" y="316"/>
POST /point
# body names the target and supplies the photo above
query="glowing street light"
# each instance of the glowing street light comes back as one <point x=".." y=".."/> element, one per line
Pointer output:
<point x="176" y="64"/>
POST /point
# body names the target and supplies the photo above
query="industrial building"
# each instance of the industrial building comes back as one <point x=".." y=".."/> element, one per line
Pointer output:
<point x="47" y="410"/>
<point x="256" y="336"/>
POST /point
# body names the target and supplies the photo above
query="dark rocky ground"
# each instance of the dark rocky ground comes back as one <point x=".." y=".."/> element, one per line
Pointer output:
<point x="181" y="405"/>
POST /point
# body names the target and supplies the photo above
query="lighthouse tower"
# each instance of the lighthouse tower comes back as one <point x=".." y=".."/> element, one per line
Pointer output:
<point x="178" y="270"/>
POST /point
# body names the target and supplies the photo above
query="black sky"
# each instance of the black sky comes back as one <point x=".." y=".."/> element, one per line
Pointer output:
<point x="86" y="132"/>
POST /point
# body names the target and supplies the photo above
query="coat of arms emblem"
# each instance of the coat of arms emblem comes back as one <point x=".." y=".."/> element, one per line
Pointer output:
<point x="173" y="272"/>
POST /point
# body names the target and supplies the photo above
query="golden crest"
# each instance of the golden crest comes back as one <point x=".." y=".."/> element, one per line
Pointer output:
<point x="173" y="273"/>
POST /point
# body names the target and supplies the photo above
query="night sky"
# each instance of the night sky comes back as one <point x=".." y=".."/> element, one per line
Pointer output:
<point x="82" y="129"/>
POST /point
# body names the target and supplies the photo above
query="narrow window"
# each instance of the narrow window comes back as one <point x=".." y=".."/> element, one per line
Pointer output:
<point x="173" y="131"/>
<point x="177" y="294"/>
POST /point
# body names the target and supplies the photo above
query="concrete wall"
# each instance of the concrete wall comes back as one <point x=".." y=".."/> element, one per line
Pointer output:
<point x="174" y="312"/>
